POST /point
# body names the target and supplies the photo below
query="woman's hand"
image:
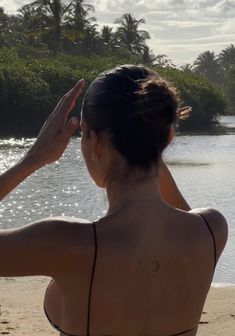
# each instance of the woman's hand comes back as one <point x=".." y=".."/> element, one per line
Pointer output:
<point x="49" y="145"/>
<point x="57" y="131"/>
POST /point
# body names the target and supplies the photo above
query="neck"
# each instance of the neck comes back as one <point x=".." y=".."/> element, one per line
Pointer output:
<point x="141" y="187"/>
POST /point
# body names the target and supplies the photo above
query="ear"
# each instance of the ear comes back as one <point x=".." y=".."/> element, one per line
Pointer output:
<point x="98" y="141"/>
<point x="171" y="135"/>
<point x="94" y="145"/>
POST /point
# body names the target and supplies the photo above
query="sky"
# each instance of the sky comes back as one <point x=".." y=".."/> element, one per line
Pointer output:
<point x="180" y="29"/>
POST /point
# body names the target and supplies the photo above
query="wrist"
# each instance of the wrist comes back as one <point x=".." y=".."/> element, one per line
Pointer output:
<point x="30" y="163"/>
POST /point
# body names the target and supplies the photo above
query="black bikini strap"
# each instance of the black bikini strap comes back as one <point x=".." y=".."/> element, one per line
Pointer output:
<point x="184" y="332"/>
<point x="92" y="279"/>
<point x="213" y="238"/>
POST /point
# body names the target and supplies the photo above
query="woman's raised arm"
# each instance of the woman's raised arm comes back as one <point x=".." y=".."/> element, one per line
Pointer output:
<point x="49" y="145"/>
<point x="169" y="190"/>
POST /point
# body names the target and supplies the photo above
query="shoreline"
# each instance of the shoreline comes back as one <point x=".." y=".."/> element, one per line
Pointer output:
<point x="222" y="285"/>
<point x="21" y="309"/>
<point x="220" y="127"/>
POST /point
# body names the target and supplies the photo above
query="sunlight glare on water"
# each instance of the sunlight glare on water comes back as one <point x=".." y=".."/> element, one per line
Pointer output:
<point x="203" y="167"/>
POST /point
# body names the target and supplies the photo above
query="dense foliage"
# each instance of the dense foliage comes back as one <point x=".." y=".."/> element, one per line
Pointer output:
<point x="29" y="88"/>
<point x="219" y="69"/>
<point x="206" y="100"/>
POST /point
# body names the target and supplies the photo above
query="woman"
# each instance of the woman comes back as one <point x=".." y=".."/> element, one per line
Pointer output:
<point x="146" y="267"/>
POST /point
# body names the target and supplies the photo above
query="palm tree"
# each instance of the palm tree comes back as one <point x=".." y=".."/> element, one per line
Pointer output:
<point x="52" y="14"/>
<point x="29" y="26"/>
<point x="91" y="43"/>
<point x="129" y="35"/>
<point x="227" y="57"/>
<point x="107" y="35"/>
<point x="80" y="28"/>
<point x="148" y="56"/>
<point x="82" y="10"/>
<point x="109" y="38"/>
<point x="78" y="20"/>
<point x="208" y="66"/>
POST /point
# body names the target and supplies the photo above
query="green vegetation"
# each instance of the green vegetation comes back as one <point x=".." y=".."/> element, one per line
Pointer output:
<point x="219" y="70"/>
<point x="207" y="101"/>
<point x="50" y="44"/>
<point x="29" y="88"/>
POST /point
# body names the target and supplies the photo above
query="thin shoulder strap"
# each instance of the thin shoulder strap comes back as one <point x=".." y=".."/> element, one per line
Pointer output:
<point x="184" y="332"/>
<point x="213" y="238"/>
<point x="92" y="278"/>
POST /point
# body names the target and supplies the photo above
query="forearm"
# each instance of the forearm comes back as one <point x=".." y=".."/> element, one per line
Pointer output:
<point x="169" y="190"/>
<point x="15" y="175"/>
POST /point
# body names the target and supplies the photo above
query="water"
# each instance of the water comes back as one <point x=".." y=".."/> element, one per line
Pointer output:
<point x="203" y="166"/>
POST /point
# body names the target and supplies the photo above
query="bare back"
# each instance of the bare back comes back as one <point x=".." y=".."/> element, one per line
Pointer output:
<point x="143" y="272"/>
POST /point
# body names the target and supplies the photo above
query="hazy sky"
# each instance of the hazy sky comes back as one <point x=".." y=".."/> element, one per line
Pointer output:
<point x="179" y="28"/>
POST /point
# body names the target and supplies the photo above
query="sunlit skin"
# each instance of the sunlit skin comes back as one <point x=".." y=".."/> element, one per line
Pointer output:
<point x="155" y="255"/>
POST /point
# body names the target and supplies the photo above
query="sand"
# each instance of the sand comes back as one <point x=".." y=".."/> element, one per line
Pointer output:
<point x="21" y="309"/>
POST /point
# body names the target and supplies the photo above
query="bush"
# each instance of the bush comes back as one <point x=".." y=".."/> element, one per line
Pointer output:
<point x="207" y="101"/>
<point x="24" y="100"/>
<point x="30" y="88"/>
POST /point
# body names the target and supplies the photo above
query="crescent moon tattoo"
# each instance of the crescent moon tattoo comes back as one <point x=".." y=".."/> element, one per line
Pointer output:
<point x="155" y="266"/>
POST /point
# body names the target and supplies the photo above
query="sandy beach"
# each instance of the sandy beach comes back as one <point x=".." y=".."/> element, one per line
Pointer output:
<point x="21" y="309"/>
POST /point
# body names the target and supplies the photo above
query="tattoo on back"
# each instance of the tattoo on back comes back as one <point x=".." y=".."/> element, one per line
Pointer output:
<point x="155" y="265"/>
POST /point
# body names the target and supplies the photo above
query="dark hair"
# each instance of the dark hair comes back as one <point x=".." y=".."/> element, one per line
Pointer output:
<point x="137" y="108"/>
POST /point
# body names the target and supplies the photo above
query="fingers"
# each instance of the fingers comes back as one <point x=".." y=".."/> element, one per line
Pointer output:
<point x="74" y="93"/>
<point x="71" y="95"/>
<point x="72" y="126"/>
<point x="57" y="120"/>
<point x="77" y="89"/>
<point x="68" y="101"/>
<point x="66" y="104"/>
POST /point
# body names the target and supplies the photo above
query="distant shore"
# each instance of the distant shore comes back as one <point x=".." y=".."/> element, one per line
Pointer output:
<point x="21" y="309"/>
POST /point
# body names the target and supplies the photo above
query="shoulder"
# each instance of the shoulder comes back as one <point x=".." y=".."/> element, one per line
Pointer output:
<point x="66" y="219"/>
<point x="217" y="224"/>
<point x="62" y="228"/>
<point x="58" y="233"/>
<point x="61" y="222"/>
<point x="67" y="239"/>
<point x="46" y="247"/>
<point x="58" y="224"/>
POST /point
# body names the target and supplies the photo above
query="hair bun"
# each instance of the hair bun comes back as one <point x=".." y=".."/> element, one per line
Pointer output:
<point x="157" y="101"/>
